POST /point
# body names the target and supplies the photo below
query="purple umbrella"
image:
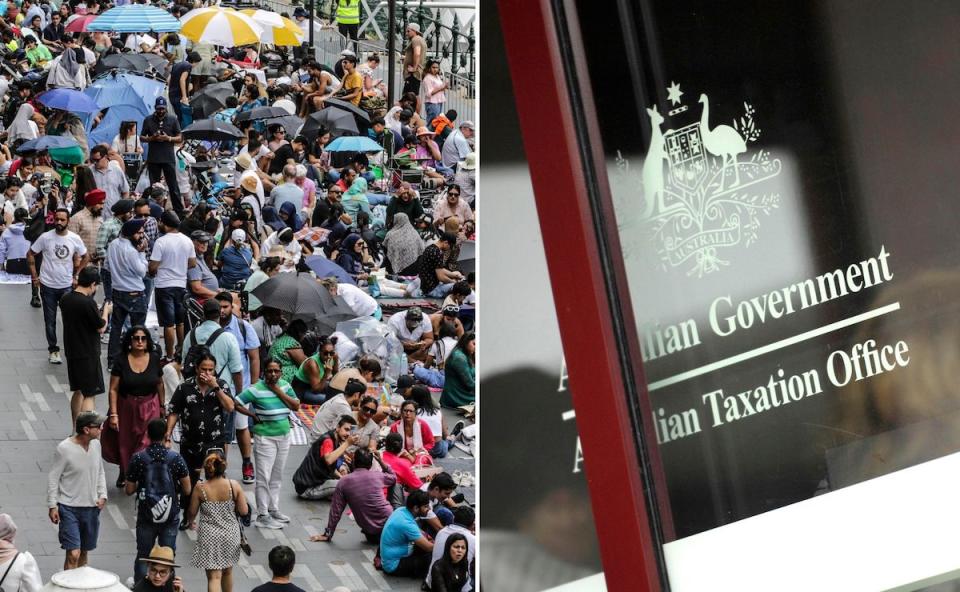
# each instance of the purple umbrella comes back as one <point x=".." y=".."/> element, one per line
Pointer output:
<point x="67" y="99"/>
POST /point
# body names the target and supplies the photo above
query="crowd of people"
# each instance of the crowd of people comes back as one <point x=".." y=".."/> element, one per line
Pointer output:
<point x="154" y="242"/>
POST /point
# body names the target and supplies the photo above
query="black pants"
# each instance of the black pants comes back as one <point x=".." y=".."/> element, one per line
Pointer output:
<point x="411" y="84"/>
<point x="349" y="31"/>
<point x="414" y="565"/>
<point x="169" y="172"/>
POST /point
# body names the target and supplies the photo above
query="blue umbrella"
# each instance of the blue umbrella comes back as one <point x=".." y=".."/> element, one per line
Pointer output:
<point x="135" y="18"/>
<point x="127" y="97"/>
<point x="46" y="143"/>
<point x="353" y="144"/>
<point x="68" y="99"/>
<point x="324" y="267"/>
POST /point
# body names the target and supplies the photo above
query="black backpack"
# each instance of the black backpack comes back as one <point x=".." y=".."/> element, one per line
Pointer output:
<point x="157" y="498"/>
<point x="198" y="350"/>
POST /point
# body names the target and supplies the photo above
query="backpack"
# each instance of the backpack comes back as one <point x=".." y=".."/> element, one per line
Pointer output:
<point x="196" y="351"/>
<point x="157" y="497"/>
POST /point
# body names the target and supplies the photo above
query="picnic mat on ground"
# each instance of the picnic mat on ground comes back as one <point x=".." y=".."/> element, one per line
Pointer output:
<point x="394" y="305"/>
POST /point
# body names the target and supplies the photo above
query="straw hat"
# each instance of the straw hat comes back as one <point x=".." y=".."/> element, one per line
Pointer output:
<point x="160" y="556"/>
<point x="423" y="131"/>
<point x="470" y="162"/>
<point x="243" y="160"/>
<point x="249" y="183"/>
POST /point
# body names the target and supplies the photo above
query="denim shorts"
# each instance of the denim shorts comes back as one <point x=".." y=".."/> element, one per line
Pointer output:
<point x="79" y="527"/>
<point x="169" y="303"/>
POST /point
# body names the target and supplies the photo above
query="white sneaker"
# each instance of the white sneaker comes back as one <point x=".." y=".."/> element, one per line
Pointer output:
<point x="129" y="582"/>
<point x="276" y="515"/>
<point x="55" y="358"/>
<point x="265" y="521"/>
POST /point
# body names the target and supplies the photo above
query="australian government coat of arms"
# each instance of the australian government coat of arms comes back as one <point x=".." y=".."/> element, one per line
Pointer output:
<point x="702" y="189"/>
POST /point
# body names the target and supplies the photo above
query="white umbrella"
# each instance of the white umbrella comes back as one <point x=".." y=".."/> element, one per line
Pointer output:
<point x="217" y="26"/>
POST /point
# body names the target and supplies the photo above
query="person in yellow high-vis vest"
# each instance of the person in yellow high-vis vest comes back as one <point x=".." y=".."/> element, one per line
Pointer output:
<point x="348" y="18"/>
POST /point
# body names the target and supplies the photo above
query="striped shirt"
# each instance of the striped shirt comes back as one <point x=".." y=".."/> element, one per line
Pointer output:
<point x="270" y="410"/>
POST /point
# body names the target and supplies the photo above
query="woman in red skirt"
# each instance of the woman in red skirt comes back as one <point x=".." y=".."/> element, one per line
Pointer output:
<point x="136" y="394"/>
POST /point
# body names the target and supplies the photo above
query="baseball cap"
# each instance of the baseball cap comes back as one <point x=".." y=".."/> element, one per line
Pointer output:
<point x="160" y="102"/>
<point x="88" y="419"/>
<point x="414" y="314"/>
<point x="405" y="382"/>
<point x="414" y="26"/>
<point x="238" y="236"/>
<point x="467" y="124"/>
<point x="201" y="236"/>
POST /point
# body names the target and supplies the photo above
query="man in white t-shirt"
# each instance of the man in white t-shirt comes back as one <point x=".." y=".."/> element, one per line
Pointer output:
<point x="361" y="303"/>
<point x="414" y="331"/>
<point x="64" y="255"/>
<point x="173" y="254"/>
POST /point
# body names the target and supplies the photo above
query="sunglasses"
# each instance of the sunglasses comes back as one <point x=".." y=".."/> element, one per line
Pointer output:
<point x="139" y="338"/>
<point x="369" y="410"/>
<point x="409" y="411"/>
<point x="453" y="194"/>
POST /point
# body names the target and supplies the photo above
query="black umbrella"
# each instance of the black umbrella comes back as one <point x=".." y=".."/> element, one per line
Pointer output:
<point x="134" y="62"/>
<point x="348" y="106"/>
<point x="297" y="293"/>
<point x="212" y="130"/>
<point x="212" y="98"/>
<point x="336" y="121"/>
<point x="338" y="312"/>
<point x="261" y="113"/>
<point x="291" y="124"/>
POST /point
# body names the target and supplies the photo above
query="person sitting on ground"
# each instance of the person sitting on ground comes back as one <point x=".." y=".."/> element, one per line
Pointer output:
<point x="464" y="519"/>
<point x="452" y="571"/>
<point x="414" y="331"/>
<point x="460" y="373"/>
<point x="448" y="314"/>
<point x="292" y="249"/>
<point x="418" y="438"/>
<point x="440" y="489"/>
<point x="351" y="257"/>
<point x="362" y="491"/>
<point x="20" y="567"/>
<point x="404" y="549"/>
<point x="288" y="350"/>
<point x="325" y="462"/>
<point x="450" y="206"/>
<point x="266" y="269"/>
<point x="290" y="216"/>
<point x="429" y="412"/>
<point x="159" y="572"/>
<point x="336" y="407"/>
<point x="404" y="247"/>
<point x="435" y="279"/>
<point x="314" y="374"/>
<point x="399" y="463"/>
<point x="281" y="560"/>
<point x="404" y="201"/>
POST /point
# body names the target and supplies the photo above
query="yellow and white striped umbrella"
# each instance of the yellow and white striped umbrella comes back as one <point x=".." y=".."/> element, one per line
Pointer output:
<point x="216" y="26"/>
<point x="277" y="30"/>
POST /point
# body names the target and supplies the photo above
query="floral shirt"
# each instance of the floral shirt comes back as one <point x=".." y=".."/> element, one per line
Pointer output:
<point x="201" y="416"/>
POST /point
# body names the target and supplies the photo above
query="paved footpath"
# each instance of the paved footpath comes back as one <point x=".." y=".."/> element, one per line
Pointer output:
<point x="34" y="399"/>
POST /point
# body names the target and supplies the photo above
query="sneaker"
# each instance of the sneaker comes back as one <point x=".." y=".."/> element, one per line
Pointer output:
<point x="35" y="302"/>
<point x="265" y="521"/>
<point x="55" y="358"/>
<point x="457" y="428"/>
<point x="248" y="473"/>
<point x="276" y="515"/>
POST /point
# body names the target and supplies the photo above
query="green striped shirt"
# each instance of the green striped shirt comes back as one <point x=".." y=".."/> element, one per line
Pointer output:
<point x="270" y="410"/>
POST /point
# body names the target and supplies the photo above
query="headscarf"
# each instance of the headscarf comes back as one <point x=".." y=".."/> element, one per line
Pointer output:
<point x="293" y="218"/>
<point x="8" y="530"/>
<point x="271" y="219"/>
<point x="403" y="243"/>
<point x="348" y="259"/>
<point x="20" y="128"/>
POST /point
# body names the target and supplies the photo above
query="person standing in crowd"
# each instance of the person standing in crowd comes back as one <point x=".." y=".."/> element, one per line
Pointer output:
<point x="325" y="463"/>
<point x="199" y="404"/>
<point x="136" y="394"/>
<point x="414" y="59"/>
<point x="110" y="179"/>
<point x="249" y="344"/>
<point x="83" y="325"/>
<point x="126" y="266"/>
<point x="272" y="399"/>
<point x="348" y="19"/>
<point x="452" y="571"/>
<point x="154" y="475"/>
<point x="173" y="254"/>
<point x="180" y="87"/>
<point x="362" y="491"/>
<point x="218" y="501"/>
<point x="434" y="86"/>
<point x="19" y="568"/>
<point x="281" y="560"/>
<point x="159" y="572"/>
<point x="64" y="255"/>
<point x="404" y="549"/>
<point x="77" y="489"/>
<point x="202" y="282"/>
<point x="14" y="246"/>
<point x="121" y="211"/>
<point x="86" y="223"/>
<point x="161" y="131"/>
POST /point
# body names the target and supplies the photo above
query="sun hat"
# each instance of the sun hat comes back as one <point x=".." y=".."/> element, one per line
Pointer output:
<point x="243" y="160"/>
<point x="423" y="131"/>
<point x="160" y="556"/>
<point x="249" y="183"/>
<point x="470" y="162"/>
